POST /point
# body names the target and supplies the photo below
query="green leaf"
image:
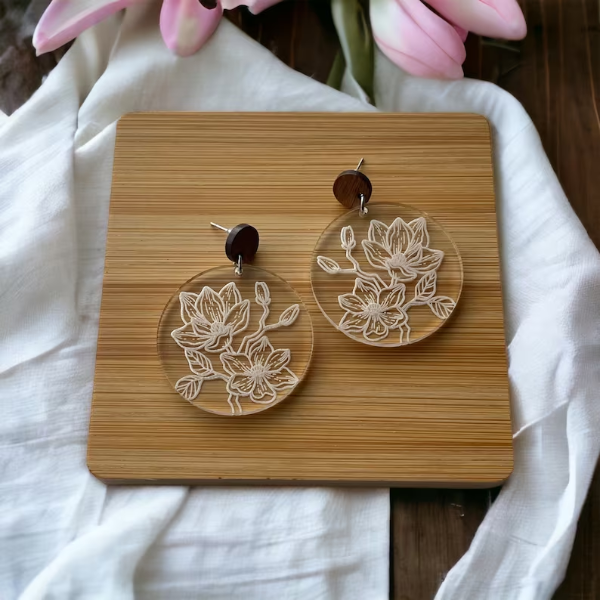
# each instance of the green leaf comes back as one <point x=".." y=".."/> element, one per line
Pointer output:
<point x="351" y="18"/>
<point x="337" y="72"/>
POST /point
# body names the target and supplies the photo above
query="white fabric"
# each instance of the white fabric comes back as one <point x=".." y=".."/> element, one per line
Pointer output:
<point x="551" y="282"/>
<point x="64" y="535"/>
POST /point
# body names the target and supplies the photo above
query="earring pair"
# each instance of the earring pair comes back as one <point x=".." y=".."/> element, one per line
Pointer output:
<point x="204" y="344"/>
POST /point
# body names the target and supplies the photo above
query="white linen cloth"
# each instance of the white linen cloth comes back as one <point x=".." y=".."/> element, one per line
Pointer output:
<point x="64" y="535"/>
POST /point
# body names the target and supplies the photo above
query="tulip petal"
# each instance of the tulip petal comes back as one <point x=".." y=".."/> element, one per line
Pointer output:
<point x="64" y="20"/>
<point x="186" y="25"/>
<point x="493" y="18"/>
<point x="462" y="33"/>
<point x="255" y="6"/>
<point x="417" y="39"/>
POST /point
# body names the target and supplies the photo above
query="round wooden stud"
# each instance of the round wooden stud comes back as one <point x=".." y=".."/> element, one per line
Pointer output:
<point x="242" y="240"/>
<point x="348" y="187"/>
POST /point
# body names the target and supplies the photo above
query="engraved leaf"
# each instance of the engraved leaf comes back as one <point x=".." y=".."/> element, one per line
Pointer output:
<point x="189" y="386"/>
<point x="289" y="315"/>
<point x="347" y="237"/>
<point x="263" y="295"/>
<point x="328" y="265"/>
<point x="442" y="306"/>
<point x="425" y="288"/>
<point x="199" y="364"/>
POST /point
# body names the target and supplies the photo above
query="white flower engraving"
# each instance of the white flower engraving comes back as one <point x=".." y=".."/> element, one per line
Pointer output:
<point x="401" y="249"/>
<point x="260" y="373"/>
<point x="211" y="321"/>
<point x="373" y="312"/>
<point x="376" y="307"/>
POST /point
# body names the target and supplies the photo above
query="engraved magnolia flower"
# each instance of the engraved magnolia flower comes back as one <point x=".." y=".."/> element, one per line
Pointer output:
<point x="373" y="312"/>
<point x="402" y="249"/>
<point x="259" y="373"/>
<point x="211" y="319"/>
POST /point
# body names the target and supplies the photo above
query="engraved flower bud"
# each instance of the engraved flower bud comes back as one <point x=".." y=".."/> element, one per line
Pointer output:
<point x="263" y="296"/>
<point x="347" y="236"/>
<point x="328" y="265"/>
<point x="289" y="315"/>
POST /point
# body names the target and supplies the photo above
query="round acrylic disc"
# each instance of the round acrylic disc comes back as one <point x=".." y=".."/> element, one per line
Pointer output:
<point x="389" y="278"/>
<point x="235" y="345"/>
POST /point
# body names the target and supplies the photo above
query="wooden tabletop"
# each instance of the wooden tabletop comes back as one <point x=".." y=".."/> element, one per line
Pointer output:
<point x="555" y="73"/>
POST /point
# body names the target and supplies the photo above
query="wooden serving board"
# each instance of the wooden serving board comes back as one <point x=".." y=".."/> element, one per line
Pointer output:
<point x="434" y="413"/>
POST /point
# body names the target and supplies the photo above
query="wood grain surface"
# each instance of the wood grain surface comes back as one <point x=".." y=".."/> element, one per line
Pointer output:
<point x="436" y="413"/>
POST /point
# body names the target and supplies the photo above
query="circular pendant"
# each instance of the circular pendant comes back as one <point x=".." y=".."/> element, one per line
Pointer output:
<point x="235" y="345"/>
<point x="389" y="278"/>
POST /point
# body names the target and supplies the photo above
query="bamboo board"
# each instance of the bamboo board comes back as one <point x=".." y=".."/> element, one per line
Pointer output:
<point x="434" y="413"/>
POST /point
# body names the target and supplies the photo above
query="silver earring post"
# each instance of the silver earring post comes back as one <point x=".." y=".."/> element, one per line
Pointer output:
<point x="363" y="206"/>
<point x="362" y="160"/>
<point x="239" y="269"/>
<point x="220" y="227"/>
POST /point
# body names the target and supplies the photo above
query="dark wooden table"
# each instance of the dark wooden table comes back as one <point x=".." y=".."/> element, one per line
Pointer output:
<point x="555" y="73"/>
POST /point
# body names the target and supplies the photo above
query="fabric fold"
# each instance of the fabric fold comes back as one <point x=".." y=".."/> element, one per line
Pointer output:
<point x="63" y="533"/>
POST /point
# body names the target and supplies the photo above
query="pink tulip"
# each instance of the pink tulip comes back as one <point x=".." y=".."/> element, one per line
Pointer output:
<point x="425" y="44"/>
<point x="255" y="6"/>
<point x="416" y="39"/>
<point x="492" y="18"/>
<point x="185" y="24"/>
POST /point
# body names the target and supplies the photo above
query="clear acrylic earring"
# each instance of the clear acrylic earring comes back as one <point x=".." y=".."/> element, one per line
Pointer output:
<point x="384" y="274"/>
<point x="235" y="341"/>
